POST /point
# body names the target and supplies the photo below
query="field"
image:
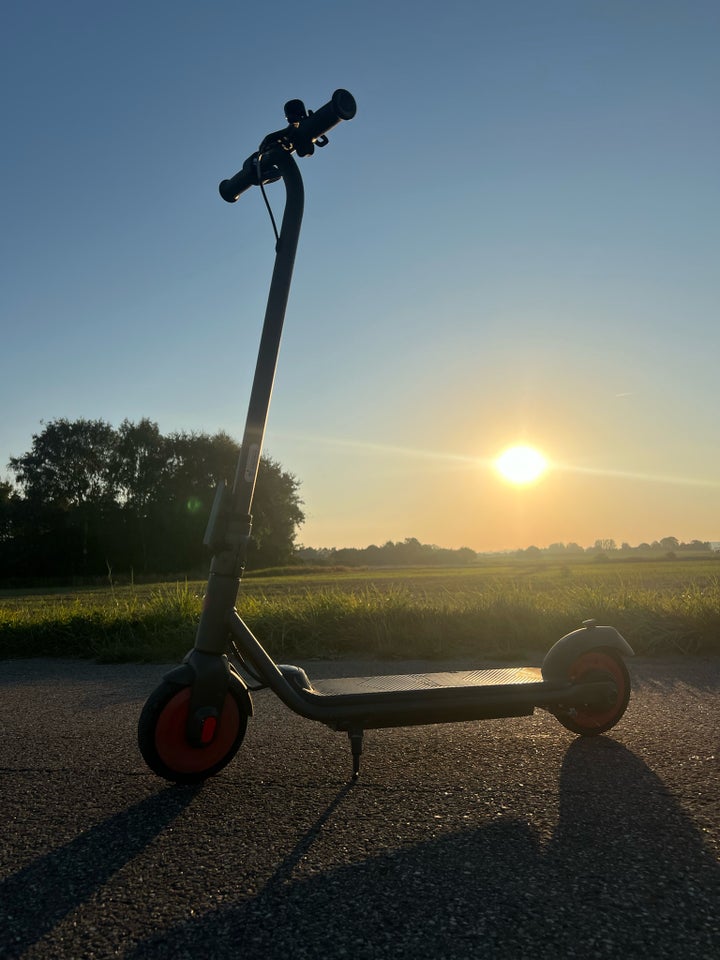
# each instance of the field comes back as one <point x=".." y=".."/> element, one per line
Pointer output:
<point x="492" y="610"/>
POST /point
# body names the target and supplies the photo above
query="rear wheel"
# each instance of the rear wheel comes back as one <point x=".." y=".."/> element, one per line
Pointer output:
<point x="599" y="664"/>
<point x="164" y="745"/>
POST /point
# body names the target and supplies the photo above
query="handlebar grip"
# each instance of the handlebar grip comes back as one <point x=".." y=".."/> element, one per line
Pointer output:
<point x="231" y="189"/>
<point x="341" y="106"/>
<point x="248" y="177"/>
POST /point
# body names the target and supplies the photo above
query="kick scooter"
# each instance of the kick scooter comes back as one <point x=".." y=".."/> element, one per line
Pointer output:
<point x="194" y="722"/>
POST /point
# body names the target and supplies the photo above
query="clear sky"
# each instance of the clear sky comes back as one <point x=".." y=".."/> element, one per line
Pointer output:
<point x="515" y="240"/>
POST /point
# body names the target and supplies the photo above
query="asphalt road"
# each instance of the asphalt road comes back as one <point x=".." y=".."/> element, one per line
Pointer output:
<point x="509" y="838"/>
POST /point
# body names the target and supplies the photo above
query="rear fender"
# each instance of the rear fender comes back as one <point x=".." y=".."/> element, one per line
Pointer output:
<point x="560" y="657"/>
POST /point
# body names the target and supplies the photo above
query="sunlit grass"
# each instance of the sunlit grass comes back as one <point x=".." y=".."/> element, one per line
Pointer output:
<point x="106" y="625"/>
<point x="434" y="613"/>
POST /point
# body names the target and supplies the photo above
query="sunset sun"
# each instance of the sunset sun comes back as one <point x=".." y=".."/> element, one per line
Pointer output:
<point x="521" y="465"/>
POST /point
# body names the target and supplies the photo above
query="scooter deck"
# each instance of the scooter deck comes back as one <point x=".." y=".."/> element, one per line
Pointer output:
<point x="402" y="700"/>
<point x="402" y="683"/>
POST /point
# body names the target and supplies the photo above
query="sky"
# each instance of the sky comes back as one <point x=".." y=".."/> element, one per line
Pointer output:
<point x="514" y="241"/>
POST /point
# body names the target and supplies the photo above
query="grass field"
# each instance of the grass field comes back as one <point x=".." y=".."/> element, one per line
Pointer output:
<point x="493" y="610"/>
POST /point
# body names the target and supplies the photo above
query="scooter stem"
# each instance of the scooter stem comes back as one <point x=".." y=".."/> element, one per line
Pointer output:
<point x="286" y="248"/>
<point x="233" y="525"/>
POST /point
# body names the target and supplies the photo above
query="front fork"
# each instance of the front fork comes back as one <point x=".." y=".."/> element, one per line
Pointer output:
<point x="208" y="661"/>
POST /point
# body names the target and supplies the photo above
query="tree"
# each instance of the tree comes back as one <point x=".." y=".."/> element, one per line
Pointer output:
<point x="94" y="498"/>
<point x="10" y="529"/>
<point x="465" y="555"/>
<point x="69" y="463"/>
<point x="197" y="462"/>
<point x="6" y="497"/>
<point x="10" y="519"/>
<point x="557" y="548"/>
<point x="140" y="467"/>
<point x="277" y="514"/>
<point x="140" y="463"/>
<point x="68" y="475"/>
<point x="605" y="546"/>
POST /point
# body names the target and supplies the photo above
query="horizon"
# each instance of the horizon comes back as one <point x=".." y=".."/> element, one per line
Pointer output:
<point x="520" y="487"/>
<point x="623" y="547"/>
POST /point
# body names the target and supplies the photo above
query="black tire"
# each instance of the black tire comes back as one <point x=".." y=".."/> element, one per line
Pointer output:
<point x="602" y="663"/>
<point x="162" y="740"/>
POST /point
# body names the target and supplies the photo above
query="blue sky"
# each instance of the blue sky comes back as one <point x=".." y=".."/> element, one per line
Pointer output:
<point x="515" y="239"/>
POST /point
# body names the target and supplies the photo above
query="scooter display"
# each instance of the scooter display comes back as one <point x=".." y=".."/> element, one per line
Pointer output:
<point x="194" y="722"/>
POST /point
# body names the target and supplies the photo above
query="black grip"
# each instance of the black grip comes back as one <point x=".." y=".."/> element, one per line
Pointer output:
<point x="231" y="189"/>
<point x="341" y="106"/>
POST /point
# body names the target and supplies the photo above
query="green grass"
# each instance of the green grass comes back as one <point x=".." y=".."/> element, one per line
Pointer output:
<point x="499" y="610"/>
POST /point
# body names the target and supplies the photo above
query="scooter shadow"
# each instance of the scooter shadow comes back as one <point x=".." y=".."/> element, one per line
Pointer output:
<point x="626" y="873"/>
<point x="40" y="895"/>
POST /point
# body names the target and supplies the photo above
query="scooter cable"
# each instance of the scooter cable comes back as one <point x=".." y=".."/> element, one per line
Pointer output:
<point x="267" y="202"/>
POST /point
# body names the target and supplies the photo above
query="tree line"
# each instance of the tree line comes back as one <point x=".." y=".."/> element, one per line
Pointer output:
<point x="89" y="499"/>
<point x="667" y="546"/>
<point x="410" y="552"/>
<point x="403" y="553"/>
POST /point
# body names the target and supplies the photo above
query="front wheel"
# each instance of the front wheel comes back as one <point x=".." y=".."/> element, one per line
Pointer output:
<point x="164" y="745"/>
<point x="598" y="664"/>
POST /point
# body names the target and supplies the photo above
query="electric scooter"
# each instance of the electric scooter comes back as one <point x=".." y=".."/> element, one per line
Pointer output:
<point x="194" y="722"/>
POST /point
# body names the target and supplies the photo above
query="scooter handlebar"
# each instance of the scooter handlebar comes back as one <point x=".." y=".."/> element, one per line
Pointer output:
<point x="341" y="106"/>
<point x="300" y="136"/>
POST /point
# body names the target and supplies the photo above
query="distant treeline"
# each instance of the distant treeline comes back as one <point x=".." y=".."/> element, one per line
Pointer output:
<point x="668" y="546"/>
<point x="411" y="552"/>
<point x="89" y="500"/>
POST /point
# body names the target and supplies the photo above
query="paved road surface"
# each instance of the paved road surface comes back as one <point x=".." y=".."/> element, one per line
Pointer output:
<point x="505" y="839"/>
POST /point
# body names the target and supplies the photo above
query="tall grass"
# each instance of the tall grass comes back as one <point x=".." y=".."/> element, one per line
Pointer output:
<point x="502" y="620"/>
<point x="105" y="626"/>
<point x="396" y="617"/>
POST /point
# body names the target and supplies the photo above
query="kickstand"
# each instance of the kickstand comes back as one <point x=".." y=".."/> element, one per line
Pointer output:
<point x="356" y="740"/>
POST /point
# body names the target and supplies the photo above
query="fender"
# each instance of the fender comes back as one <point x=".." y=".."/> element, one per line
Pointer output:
<point x="562" y="654"/>
<point x="185" y="676"/>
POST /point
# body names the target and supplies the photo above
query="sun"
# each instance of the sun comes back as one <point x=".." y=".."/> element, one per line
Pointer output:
<point x="521" y="465"/>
